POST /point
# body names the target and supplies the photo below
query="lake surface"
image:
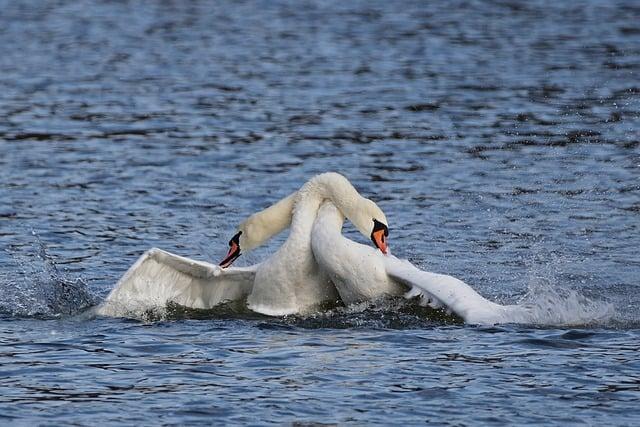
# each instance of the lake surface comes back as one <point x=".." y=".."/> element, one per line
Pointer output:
<point x="502" y="139"/>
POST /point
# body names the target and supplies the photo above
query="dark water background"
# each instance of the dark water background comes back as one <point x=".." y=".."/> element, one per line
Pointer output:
<point x="501" y="139"/>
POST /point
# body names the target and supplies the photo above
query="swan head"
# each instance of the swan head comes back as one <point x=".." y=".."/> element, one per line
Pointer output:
<point x="234" y="250"/>
<point x="253" y="232"/>
<point x="372" y="222"/>
<point x="379" y="236"/>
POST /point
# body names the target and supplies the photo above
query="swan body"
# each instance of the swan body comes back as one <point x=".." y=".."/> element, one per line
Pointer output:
<point x="356" y="270"/>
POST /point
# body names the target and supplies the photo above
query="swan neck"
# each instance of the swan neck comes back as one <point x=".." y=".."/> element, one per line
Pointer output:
<point x="263" y="225"/>
<point x="335" y="188"/>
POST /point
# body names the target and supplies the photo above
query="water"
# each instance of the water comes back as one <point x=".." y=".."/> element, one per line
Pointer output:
<point x="500" y="138"/>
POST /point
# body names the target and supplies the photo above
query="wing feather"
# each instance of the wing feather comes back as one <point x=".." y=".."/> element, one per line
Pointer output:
<point x="159" y="277"/>
<point x="440" y="290"/>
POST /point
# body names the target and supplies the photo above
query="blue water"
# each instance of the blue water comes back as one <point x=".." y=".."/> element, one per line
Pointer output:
<point x="500" y="138"/>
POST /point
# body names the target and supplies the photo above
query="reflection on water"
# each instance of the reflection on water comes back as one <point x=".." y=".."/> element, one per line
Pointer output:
<point x="500" y="138"/>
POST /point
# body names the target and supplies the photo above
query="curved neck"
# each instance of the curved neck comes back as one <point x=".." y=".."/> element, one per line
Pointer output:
<point x="300" y="209"/>
<point x="263" y="225"/>
<point x="327" y="186"/>
<point x="329" y="221"/>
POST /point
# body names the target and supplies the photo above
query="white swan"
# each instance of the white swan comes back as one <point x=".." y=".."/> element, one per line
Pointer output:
<point x="300" y="274"/>
<point x="288" y="282"/>
<point x="360" y="273"/>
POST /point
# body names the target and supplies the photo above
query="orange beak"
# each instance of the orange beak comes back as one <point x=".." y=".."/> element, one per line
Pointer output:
<point x="234" y="251"/>
<point x="380" y="240"/>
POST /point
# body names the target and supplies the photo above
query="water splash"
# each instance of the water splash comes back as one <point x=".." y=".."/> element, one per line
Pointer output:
<point x="36" y="287"/>
<point x="548" y="302"/>
<point x="546" y="305"/>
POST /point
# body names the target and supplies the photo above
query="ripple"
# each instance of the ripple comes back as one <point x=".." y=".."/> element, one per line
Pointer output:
<point x="499" y="138"/>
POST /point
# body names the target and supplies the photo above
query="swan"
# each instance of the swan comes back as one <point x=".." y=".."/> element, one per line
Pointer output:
<point x="361" y="273"/>
<point x="288" y="282"/>
<point x="314" y="265"/>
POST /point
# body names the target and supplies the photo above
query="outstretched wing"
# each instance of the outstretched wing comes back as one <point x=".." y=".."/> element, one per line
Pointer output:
<point x="159" y="277"/>
<point x="440" y="290"/>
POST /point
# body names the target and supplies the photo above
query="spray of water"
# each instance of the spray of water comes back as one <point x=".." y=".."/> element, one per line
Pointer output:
<point x="549" y="302"/>
<point x="34" y="286"/>
<point x="554" y="306"/>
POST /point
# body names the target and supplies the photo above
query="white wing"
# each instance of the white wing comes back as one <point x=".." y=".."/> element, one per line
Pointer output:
<point x="159" y="277"/>
<point x="440" y="290"/>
